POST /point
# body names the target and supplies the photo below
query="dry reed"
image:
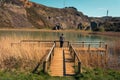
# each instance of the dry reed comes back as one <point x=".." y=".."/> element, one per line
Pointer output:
<point x="24" y="56"/>
<point x="100" y="59"/>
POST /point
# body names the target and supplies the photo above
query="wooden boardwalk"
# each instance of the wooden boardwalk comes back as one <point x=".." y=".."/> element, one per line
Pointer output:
<point x="56" y="67"/>
<point x="62" y="63"/>
<point x="68" y="63"/>
<point x="68" y="60"/>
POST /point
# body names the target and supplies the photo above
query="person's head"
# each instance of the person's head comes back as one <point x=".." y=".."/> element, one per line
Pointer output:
<point x="62" y="34"/>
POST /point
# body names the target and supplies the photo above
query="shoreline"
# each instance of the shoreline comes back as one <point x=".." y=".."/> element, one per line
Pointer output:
<point x="114" y="34"/>
<point x="46" y="30"/>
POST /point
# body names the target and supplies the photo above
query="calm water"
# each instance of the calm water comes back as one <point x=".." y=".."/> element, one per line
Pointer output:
<point x="70" y="36"/>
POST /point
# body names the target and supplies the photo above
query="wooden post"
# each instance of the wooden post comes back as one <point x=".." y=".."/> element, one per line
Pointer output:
<point x="83" y="44"/>
<point x="68" y="44"/>
<point x="53" y="51"/>
<point x="55" y="43"/>
<point x="97" y="59"/>
<point x="79" y="67"/>
<point x="74" y="56"/>
<point x="89" y="58"/>
<point x="70" y="49"/>
<point x="45" y="67"/>
<point x="101" y="60"/>
<point x="106" y="56"/>
<point x="100" y="44"/>
<point x="106" y="46"/>
<point x="89" y="48"/>
<point x="50" y="58"/>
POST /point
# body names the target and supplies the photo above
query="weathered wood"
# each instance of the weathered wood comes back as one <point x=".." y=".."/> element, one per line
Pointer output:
<point x="76" y="58"/>
<point x="47" y="62"/>
<point x="89" y="48"/>
<point x="82" y="44"/>
<point x="56" y="67"/>
<point x="79" y="67"/>
<point x="45" y="67"/>
<point x="106" y="55"/>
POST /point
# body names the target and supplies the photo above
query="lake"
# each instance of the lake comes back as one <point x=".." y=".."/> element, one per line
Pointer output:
<point x="113" y="42"/>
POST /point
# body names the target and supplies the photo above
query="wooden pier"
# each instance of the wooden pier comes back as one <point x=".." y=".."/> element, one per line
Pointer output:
<point x="68" y="61"/>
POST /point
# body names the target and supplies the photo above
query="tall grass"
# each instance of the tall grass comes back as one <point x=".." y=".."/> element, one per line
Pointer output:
<point x="99" y="59"/>
<point x="24" y="56"/>
<point x="114" y="58"/>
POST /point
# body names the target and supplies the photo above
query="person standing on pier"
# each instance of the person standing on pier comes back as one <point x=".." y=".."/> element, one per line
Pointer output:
<point x="61" y="40"/>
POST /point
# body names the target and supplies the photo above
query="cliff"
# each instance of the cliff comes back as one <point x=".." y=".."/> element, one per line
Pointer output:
<point x="26" y="14"/>
<point x="106" y="23"/>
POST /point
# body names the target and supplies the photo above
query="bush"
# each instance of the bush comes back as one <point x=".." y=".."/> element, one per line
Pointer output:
<point x="101" y="29"/>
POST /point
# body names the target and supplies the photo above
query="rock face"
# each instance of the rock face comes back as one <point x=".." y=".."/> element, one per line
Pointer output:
<point x="106" y="23"/>
<point x="26" y="14"/>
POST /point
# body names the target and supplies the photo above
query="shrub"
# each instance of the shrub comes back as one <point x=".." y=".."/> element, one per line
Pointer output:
<point x="101" y="29"/>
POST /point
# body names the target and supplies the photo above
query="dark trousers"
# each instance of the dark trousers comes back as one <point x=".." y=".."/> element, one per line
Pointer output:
<point x="61" y="43"/>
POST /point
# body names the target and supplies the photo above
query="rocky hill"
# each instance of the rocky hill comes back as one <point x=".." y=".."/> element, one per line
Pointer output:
<point x="26" y="14"/>
<point x="106" y="23"/>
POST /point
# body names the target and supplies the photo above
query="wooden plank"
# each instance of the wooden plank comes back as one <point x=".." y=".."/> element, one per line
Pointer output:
<point x="69" y="63"/>
<point x="56" y="67"/>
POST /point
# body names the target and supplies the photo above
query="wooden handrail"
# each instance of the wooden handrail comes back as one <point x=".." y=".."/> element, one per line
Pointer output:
<point x="75" y="56"/>
<point x="55" y="41"/>
<point x="87" y="42"/>
<point x="48" y="59"/>
<point x="50" y="52"/>
<point x="41" y="41"/>
<point x="76" y="42"/>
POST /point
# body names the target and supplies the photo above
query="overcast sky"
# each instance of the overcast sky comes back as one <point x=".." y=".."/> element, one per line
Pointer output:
<point x="96" y="8"/>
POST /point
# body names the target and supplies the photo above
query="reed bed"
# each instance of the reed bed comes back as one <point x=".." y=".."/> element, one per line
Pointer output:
<point x="114" y="57"/>
<point x="101" y="59"/>
<point x="21" y="56"/>
<point x="92" y="59"/>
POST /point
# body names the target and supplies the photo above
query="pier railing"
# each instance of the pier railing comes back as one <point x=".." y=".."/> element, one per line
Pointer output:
<point x="40" y="43"/>
<point x="83" y="44"/>
<point x="90" y="46"/>
<point x="57" y="43"/>
<point x="77" y="61"/>
<point x="49" y="58"/>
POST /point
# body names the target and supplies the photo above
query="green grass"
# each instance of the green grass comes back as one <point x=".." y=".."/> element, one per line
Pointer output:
<point x="88" y="74"/>
<point x="4" y="75"/>
<point x="99" y="74"/>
